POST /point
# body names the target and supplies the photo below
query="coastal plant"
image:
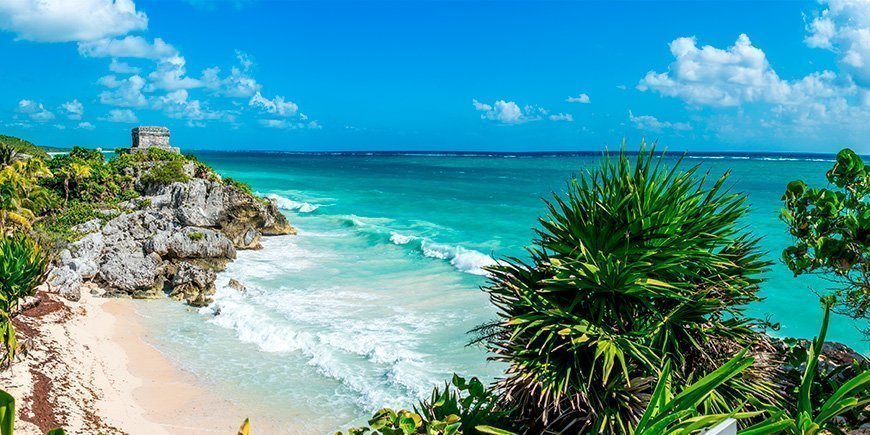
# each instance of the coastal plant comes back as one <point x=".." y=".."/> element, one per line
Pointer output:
<point x="461" y="407"/>
<point x="7" y="155"/>
<point x="813" y="415"/>
<point x="639" y="265"/>
<point x="22" y="268"/>
<point x="678" y="414"/>
<point x="831" y="231"/>
<point x="164" y="173"/>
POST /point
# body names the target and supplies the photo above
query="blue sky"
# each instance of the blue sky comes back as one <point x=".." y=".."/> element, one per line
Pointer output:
<point x="458" y="75"/>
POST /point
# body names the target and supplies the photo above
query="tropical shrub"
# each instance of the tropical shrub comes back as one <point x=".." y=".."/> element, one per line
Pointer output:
<point x="637" y="266"/>
<point x="814" y="415"/>
<point x="22" y="146"/>
<point x="831" y="231"/>
<point x="164" y="173"/>
<point x="461" y="407"/>
<point x="22" y="268"/>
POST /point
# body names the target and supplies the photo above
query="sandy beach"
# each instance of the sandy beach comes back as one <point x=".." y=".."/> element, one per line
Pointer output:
<point x="85" y="367"/>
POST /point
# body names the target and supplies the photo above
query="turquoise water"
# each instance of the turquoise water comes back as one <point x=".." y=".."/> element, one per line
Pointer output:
<point x="369" y="305"/>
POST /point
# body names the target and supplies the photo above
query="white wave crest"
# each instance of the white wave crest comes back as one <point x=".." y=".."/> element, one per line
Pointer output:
<point x="400" y="239"/>
<point x="463" y="259"/>
<point x="289" y="204"/>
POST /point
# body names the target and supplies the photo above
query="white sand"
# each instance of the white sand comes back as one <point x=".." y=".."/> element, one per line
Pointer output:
<point x="101" y="377"/>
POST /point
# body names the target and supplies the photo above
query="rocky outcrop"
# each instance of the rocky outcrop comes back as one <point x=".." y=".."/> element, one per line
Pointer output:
<point x="172" y="242"/>
<point x="193" y="284"/>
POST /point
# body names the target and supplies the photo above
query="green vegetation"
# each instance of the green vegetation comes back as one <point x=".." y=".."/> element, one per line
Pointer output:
<point x="22" y="146"/>
<point x="164" y="173"/>
<point x="241" y="185"/>
<point x="814" y="415"/>
<point x="461" y="407"/>
<point x="22" y="268"/>
<point x="639" y="266"/>
<point x="831" y="231"/>
<point x="196" y="235"/>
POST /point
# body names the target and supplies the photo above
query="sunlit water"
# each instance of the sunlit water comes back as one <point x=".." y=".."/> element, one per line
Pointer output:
<point x="371" y="303"/>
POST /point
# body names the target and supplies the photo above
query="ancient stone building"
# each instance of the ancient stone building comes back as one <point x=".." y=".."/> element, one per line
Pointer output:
<point x="145" y="137"/>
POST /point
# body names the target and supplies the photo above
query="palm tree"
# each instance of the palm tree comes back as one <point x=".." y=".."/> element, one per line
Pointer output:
<point x="74" y="172"/>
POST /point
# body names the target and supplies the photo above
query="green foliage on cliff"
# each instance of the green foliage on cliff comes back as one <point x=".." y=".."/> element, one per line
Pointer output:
<point x="831" y="231"/>
<point x="22" y="146"/>
<point x="166" y="172"/>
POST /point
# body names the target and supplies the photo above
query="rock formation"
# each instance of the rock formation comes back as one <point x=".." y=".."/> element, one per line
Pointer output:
<point x="173" y="244"/>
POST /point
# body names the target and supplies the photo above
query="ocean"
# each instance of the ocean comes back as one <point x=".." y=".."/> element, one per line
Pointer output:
<point x="370" y="304"/>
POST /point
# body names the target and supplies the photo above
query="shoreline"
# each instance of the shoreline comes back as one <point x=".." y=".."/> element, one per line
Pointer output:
<point x="87" y="367"/>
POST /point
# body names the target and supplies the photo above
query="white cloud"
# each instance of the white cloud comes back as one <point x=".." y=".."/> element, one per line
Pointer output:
<point x="844" y="28"/>
<point x="73" y="109"/>
<point x="562" y="117"/>
<point x="35" y="111"/>
<point x="711" y="76"/>
<point x="65" y="21"/>
<point x="171" y="75"/>
<point x="177" y="104"/>
<point x="123" y="67"/>
<point x="239" y="84"/>
<point x="289" y="124"/>
<point x="128" y="46"/>
<point x="85" y="126"/>
<point x="651" y="123"/>
<point x="582" y="98"/>
<point x="121" y="115"/>
<point x="276" y="106"/>
<point x="507" y="112"/>
<point x="126" y="92"/>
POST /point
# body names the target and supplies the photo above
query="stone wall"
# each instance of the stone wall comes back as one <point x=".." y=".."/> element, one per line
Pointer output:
<point x="146" y="137"/>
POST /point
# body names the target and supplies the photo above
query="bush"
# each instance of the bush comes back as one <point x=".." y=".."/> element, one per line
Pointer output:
<point x="241" y="185"/>
<point x="23" y="146"/>
<point x="165" y="173"/>
<point x="22" y="268"/>
<point x="637" y="266"/>
<point x="463" y="407"/>
<point x="196" y="235"/>
<point x="831" y="231"/>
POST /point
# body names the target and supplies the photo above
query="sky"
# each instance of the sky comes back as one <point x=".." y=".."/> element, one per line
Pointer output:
<point x="787" y="76"/>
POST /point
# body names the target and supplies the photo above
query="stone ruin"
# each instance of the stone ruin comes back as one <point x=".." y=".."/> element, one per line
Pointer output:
<point x="145" y="137"/>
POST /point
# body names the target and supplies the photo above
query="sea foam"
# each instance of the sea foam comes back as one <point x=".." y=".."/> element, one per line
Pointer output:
<point x="285" y="203"/>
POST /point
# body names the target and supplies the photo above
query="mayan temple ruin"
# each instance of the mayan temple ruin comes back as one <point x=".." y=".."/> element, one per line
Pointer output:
<point x="145" y="137"/>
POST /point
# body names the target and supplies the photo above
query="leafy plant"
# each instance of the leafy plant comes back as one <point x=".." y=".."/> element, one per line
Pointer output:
<point x="679" y="414"/>
<point x="164" y="173"/>
<point x="807" y="418"/>
<point x="241" y="185"/>
<point x="637" y="266"/>
<point x="22" y="267"/>
<point x="831" y="231"/>
<point x="463" y="407"/>
<point x="195" y="235"/>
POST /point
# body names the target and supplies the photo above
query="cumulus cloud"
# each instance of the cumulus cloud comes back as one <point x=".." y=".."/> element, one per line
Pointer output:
<point x="73" y="109"/>
<point x="124" y="93"/>
<point x="239" y="84"/>
<point x="129" y="46"/>
<point x="276" y="106"/>
<point x="35" y="111"/>
<point x="171" y="75"/>
<point x="509" y="112"/>
<point x="582" y="98"/>
<point x="65" y="21"/>
<point x="843" y="27"/>
<point x="85" y="126"/>
<point x="561" y="117"/>
<point x="123" y="67"/>
<point x="121" y="115"/>
<point x="715" y="77"/>
<point x="179" y="105"/>
<point x="653" y="124"/>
